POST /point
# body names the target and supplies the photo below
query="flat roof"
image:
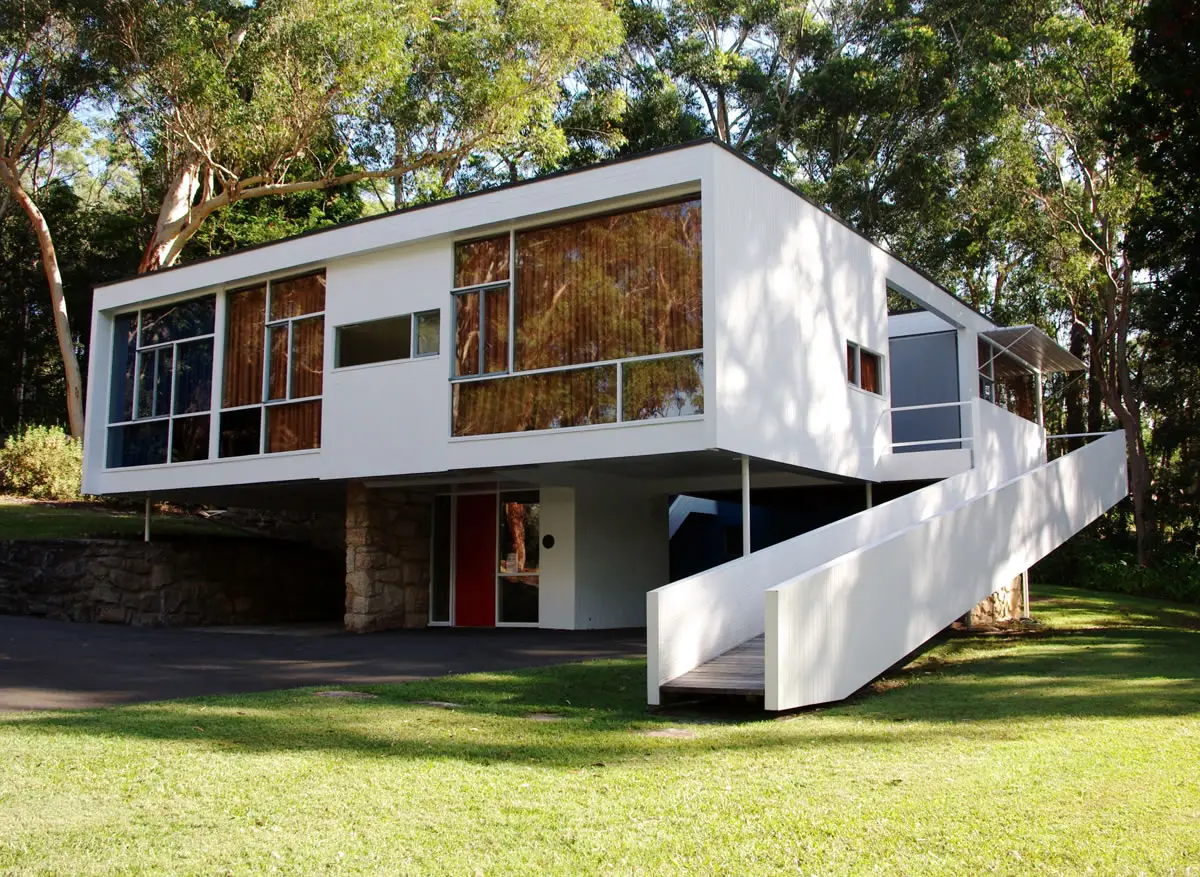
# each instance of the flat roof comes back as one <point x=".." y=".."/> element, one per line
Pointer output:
<point x="1035" y="348"/>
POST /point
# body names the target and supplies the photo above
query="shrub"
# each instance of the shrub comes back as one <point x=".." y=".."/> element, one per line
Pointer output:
<point x="42" y="462"/>
<point x="1100" y="565"/>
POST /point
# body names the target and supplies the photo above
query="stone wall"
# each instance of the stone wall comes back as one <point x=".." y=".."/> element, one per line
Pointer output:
<point x="388" y="533"/>
<point x="170" y="583"/>
<point x="1004" y="605"/>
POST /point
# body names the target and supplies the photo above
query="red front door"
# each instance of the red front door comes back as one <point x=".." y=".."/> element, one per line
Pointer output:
<point x="475" y="561"/>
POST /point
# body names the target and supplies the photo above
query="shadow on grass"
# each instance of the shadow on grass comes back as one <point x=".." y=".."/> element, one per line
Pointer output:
<point x="970" y="687"/>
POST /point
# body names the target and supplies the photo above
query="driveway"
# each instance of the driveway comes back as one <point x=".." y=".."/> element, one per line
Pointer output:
<point x="63" y="665"/>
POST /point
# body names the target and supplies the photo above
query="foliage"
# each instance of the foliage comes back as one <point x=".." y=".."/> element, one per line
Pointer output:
<point x="1103" y="564"/>
<point x="43" y="462"/>
<point x="234" y="101"/>
<point x="909" y="778"/>
<point x="20" y="519"/>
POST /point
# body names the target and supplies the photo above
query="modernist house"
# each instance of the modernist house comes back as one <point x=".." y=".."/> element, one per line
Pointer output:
<point x="662" y="391"/>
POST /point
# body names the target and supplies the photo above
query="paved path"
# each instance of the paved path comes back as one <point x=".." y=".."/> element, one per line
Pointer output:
<point x="61" y="665"/>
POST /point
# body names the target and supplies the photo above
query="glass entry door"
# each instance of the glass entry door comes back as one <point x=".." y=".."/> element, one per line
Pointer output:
<point x="517" y="570"/>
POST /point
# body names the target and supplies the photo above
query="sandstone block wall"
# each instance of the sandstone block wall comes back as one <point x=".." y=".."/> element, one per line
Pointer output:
<point x="170" y="583"/>
<point x="388" y="532"/>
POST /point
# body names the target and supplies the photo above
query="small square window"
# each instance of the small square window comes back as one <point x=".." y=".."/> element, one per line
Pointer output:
<point x="864" y="369"/>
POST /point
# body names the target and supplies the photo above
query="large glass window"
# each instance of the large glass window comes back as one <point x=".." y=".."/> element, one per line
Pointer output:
<point x="620" y="294"/>
<point x="161" y="391"/>
<point x="274" y="367"/>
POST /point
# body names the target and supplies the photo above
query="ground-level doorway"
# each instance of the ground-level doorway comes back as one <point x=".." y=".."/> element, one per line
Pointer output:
<point x="485" y="563"/>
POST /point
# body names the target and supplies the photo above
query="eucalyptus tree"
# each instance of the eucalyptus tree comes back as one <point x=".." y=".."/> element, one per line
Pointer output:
<point x="233" y="101"/>
<point x="54" y="57"/>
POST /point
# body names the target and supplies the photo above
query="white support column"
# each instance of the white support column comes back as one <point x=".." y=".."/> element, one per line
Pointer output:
<point x="1041" y="414"/>
<point x="745" y="506"/>
<point x="146" y="523"/>
<point x="870" y="498"/>
<point x="1025" y="616"/>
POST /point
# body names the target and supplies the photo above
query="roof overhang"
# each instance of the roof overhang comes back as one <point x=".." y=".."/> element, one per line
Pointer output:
<point x="1034" y="348"/>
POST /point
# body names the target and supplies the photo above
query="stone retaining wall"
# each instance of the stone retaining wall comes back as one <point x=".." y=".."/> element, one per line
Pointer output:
<point x="170" y="583"/>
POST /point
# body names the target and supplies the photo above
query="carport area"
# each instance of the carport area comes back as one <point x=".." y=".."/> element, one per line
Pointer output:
<point x="63" y="665"/>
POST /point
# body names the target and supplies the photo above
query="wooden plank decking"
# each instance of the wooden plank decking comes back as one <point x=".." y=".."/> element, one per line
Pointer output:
<point x="741" y="670"/>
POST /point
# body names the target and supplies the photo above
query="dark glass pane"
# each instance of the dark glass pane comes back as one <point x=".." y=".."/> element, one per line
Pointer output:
<point x="609" y="287"/>
<point x="297" y="296"/>
<point x="495" y="331"/>
<point x="429" y="333"/>
<point x="189" y="438"/>
<point x="193" y="377"/>
<point x="439" y="596"/>
<point x="154" y="383"/>
<point x="541" y="401"/>
<point x="519" y="599"/>
<point x="241" y="432"/>
<point x="124" y="368"/>
<point x="308" y="357"/>
<point x="376" y="341"/>
<point x="466" y="334"/>
<point x="663" y="388"/>
<point x="293" y="427"/>
<point x="277" y="365"/>
<point x="246" y="317"/>
<point x="185" y="319"/>
<point x="138" y="444"/>
<point x="480" y="262"/>
<point x="519" y="537"/>
<point x="852" y="364"/>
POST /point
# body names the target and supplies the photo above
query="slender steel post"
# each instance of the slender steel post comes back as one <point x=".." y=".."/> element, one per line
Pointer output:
<point x="146" y="522"/>
<point x="870" y="500"/>
<point x="745" y="506"/>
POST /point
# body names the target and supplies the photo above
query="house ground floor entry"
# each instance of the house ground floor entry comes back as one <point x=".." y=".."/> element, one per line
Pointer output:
<point x="486" y="559"/>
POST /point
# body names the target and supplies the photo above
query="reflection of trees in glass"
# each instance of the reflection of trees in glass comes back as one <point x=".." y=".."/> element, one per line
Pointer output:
<point x="627" y="284"/>
<point x="480" y="262"/>
<point x="663" y="388"/>
<point x="578" y="397"/>
<point x="519" y="537"/>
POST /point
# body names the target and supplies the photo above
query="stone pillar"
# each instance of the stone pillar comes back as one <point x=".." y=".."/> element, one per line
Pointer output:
<point x="1004" y="605"/>
<point x="387" y="557"/>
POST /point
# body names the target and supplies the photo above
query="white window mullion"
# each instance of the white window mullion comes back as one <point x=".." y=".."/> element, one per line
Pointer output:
<point x="217" y="396"/>
<point x="287" y="360"/>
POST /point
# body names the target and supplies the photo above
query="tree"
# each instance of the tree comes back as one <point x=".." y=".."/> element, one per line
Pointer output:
<point x="237" y="101"/>
<point x="1089" y="193"/>
<point x="52" y="59"/>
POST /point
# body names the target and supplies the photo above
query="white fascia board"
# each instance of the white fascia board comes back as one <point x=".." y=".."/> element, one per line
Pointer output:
<point x="660" y="175"/>
<point x="933" y="298"/>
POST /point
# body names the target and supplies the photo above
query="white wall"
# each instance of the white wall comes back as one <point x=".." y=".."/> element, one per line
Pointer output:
<point x="556" y="582"/>
<point x="793" y="286"/>
<point x="621" y="552"/>
<point x="826" y="635"/>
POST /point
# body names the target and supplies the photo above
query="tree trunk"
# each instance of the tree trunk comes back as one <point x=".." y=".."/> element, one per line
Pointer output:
<point x="176" y="204"/>
<point x="62" y="325"/>
<point x="1074" y="393"/>
<point x="1095" y="398"/>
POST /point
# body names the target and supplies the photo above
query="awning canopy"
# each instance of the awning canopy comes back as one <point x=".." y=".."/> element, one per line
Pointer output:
<point x="1034" y="348"/>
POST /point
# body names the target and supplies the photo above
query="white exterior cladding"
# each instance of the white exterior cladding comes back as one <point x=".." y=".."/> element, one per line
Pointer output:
<point x="785" y="286"/>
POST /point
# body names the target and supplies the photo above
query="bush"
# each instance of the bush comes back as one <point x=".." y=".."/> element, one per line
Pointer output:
<point x="1100" y="565"/>
<point x="42" y="462"/>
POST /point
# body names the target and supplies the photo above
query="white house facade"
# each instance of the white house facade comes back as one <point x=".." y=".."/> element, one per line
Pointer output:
<point x="517" y="396"/>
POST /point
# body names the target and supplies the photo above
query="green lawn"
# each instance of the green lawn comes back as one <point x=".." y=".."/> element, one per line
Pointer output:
<point x="24" y="519"/>
<point x="1072" y="751"/>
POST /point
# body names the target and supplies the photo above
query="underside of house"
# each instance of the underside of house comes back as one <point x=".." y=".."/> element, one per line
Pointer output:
<point x="663" y="392"/>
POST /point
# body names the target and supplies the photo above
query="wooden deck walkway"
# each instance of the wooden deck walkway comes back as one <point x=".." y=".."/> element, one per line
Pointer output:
<point x="741" y="670"/>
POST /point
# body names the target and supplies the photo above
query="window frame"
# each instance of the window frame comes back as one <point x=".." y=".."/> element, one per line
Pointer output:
<point x="482" y="289"/>
<point x="413" y="329"/>
<point x="513" y="230"/>
<point x="140" y="351"/>
<point x="858" y="350"/>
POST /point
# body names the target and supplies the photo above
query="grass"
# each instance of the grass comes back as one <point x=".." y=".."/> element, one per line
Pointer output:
<point x="1068" y="751"/>
<point x="28" y="519"/>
